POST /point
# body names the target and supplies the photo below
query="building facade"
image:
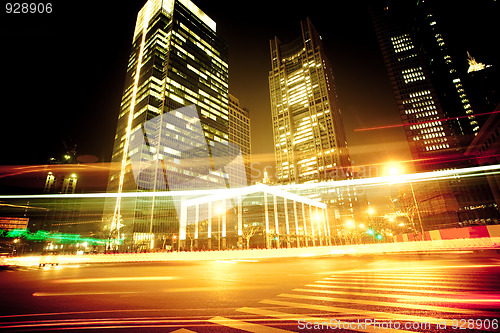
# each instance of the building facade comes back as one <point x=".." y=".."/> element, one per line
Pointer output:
<point x="437" y="115"/>
<point x="309" y="139"/>
<point x="310" y="144"/>
<point x="177" y="60"/>
<point x="239" y="132"/>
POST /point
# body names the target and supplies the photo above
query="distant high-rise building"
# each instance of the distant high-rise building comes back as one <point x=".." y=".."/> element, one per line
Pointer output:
<point x="239" y="132"/>
<point x="437" y="115"/>
<point x="309" y="140"/>
<point x="177" y="60"/>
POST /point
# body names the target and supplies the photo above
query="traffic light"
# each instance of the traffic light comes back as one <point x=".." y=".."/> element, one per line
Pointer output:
<point x="378" y="236"/>
<point x="370" y="231"/>
<point x="276" y="238"/>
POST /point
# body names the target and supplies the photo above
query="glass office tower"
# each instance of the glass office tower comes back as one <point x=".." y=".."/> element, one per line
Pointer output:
<point x="177" y="61"/>
<point x="434" y="107"/>
<point x="435" y="110"/>
<point x="309" y="139"/>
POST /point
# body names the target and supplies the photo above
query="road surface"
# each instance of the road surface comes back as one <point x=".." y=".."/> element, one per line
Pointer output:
<point x="441" y="292"/>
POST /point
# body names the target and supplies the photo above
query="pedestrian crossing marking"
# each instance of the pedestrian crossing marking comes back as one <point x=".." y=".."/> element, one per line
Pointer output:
<point x="371" y="280"/>
<point x="394" y="305"/>
<point x="419" y="291"/>
<point x="417" y="270"/>
<point x="305" y="318"/>
<point x="245" y="326"/>
<point x="366" y="313"/>
<point x="394" y="284"/>
<point x="412" y="298"/>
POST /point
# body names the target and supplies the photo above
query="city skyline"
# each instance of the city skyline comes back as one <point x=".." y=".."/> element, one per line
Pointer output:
<point x="362" y="82"/>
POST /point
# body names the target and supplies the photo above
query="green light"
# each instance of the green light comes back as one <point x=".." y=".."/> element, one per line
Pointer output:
<point x="370" y="231"/>
<point x="276" y="238"/>
<point x="379" y="236"/>
<point x="42" y="235"/>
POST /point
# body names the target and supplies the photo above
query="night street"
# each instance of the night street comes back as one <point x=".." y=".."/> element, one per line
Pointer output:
<point x="259" y="296"/>
<point x="271" y="166"/>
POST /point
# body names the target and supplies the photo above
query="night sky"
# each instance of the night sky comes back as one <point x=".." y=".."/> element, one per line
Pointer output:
<point x="63" y="72"/>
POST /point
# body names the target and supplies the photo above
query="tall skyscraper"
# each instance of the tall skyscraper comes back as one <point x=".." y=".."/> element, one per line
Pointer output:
<point x="177" y="60"/>
<point x="309" y="140"/>
<point x="435" y="109"/>
<point x="436" y="113"/>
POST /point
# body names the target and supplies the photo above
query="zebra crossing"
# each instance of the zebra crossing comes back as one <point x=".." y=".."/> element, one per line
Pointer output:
<point x="401" y="301"/>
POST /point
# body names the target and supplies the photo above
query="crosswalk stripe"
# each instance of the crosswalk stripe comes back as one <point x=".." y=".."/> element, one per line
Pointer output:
<point x="304" y="318"/>
<point x="389" y="304"/>
<point x="366" y="313"/>
<point x="412" y="275"/>
<point x="419" y="291"/>
<point x="245" y="326"/>
<point x="417" y="270"/>
<point x="395" y="284"/>
<point x="371" y="279"/>
<point x="412" y="298"/>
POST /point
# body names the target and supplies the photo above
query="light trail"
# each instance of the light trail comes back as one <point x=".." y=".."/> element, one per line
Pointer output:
<point x="398" y="179"/>
<point x="117" y="279"/>
<point x="422" y="122"/>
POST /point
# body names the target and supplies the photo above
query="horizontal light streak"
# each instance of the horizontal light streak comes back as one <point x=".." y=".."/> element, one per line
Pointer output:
<point x="422" y="122"/>
<point x="398" y="179"/>
<point x="82" y="293"/>
<point x="117" y="279"/>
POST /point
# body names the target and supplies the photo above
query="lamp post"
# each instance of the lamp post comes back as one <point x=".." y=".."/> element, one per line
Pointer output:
<point x="219" y="210"/>
<point x="394" y="171"/>
<point x="371" y="212"/>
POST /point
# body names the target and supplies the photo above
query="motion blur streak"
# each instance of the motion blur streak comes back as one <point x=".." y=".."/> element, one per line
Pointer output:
<point x="402" y="178"/>
<point x="117" y="279"/>
<point x="104" y="323"/>
<point x="422" y="122"/>
<point x="44" y="294"/>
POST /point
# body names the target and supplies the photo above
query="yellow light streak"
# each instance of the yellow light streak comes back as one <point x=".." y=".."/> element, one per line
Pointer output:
<point x="117" y="279"/>
<point x="131" y="112"/>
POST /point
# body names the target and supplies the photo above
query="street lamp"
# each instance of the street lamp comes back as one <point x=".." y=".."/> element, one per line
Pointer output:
<point x="394" y="170"/>
<point x="317" y="217"/>
<point x="218" y="210"/>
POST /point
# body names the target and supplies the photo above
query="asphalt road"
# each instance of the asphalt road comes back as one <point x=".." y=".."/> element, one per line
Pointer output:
<point x="446" y="292"/>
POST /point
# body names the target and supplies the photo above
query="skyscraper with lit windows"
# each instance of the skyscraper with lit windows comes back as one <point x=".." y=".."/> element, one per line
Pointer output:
<point x="177" y="60"/>
<point x="436" y="113"/>
<point x="309" y="140"/>
<point x="437" y="116"/>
